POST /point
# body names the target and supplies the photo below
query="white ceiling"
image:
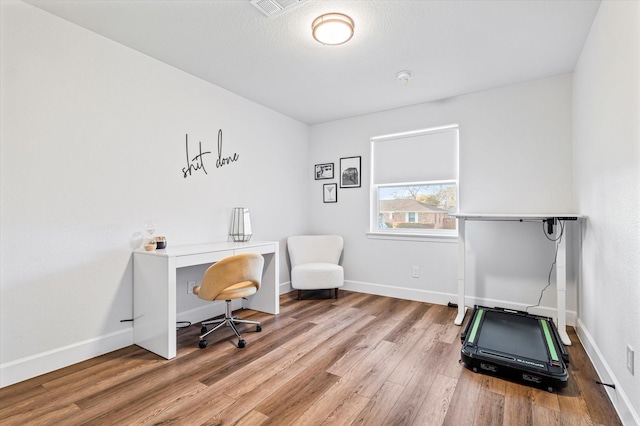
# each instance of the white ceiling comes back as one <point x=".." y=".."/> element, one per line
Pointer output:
<point x="450" y="47"/>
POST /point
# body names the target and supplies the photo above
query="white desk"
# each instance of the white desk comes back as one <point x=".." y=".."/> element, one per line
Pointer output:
<point x="154" y="287"/>
<point x="561" y="262"/>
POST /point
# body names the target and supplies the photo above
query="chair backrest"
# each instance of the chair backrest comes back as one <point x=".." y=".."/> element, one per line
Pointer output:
<point x="314" y="249"/>
<point x="230" y="271"/>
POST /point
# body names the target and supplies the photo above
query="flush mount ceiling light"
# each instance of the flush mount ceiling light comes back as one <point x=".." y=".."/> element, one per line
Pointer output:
<point x="332" y="28"/>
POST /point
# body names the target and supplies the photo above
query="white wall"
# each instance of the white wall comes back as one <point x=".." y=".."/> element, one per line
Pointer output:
<point x="607" y="181"/>
<point x="515" y="157"/>
<point x="93" y="143"/>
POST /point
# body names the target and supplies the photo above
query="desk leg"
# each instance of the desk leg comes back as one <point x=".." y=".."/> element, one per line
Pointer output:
<point x="461" y="263"/>
<point x="561" y="283"/>
<point x="154" y="304"/>
<point x="267" y="299"/>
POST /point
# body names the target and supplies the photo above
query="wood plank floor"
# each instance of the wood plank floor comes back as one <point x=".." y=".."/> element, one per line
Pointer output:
<point x="360" y="360"/>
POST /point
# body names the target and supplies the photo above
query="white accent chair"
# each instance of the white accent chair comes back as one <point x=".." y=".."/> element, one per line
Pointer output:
<point x="315" y="262"/>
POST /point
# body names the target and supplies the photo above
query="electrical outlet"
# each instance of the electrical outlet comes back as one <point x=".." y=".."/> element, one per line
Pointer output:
<point x="190" y="286"/>
<point x="630" y="355"/>
<point x="415" y="272"/>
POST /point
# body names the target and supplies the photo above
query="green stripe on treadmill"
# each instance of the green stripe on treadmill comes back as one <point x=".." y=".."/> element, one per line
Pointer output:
<point x="550" y="345"/>
<point x="476" y="324"/>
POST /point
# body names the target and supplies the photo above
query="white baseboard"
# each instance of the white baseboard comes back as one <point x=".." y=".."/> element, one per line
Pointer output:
<point x="400" y="292"/>
<point x="205" y="312"/>
<point x="618" y="397"/>
<point x="285" y="288"/>
<point x="440" y="298"/>
<point x="46" y="362"/>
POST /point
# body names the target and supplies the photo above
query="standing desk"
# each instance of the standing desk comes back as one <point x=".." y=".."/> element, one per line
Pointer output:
<point x="561" y="262"/>
<point x="154" y="287"/>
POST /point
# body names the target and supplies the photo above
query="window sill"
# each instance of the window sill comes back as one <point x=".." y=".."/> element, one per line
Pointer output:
<point x="404" y="236"/>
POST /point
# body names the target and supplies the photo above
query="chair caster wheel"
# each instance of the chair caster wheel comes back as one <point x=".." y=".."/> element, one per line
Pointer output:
<point x="202" y="344"/>
<point x="242" y="343"/>
<point x="203" y="330"/>
<point x="258" y="328"/>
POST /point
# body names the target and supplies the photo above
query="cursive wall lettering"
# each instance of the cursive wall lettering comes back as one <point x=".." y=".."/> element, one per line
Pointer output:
<point x="223" y="161"/>
<point x="197" y="162"/>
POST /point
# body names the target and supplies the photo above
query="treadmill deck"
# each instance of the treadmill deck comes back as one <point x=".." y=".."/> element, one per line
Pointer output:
<point x="515" y="345"/>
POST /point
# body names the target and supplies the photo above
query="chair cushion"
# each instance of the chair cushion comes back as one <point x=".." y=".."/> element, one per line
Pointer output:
<point x="232" y="277"/>
<point x="236" y="291"/>
<point x="315" y="276"/>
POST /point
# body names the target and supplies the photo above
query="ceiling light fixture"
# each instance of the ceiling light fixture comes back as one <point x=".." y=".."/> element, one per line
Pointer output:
<point x="332" y="28"/>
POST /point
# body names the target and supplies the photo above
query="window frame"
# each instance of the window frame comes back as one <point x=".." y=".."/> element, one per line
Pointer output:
<point x="437" y="235"/>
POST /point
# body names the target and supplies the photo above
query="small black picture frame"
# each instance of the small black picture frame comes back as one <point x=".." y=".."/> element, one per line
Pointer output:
<point x="330" y="193"/>
<point x="324" y="171"/>
<point x="350" y="173"/>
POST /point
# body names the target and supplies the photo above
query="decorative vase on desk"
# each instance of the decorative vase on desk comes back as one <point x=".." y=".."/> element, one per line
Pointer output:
<point x="240" y="224"/>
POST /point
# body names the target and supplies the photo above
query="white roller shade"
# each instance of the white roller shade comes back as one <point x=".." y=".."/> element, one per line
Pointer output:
<point x="430" y="155"/>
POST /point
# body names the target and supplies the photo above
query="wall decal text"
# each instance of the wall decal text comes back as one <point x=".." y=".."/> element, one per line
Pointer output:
<point x="222" y="161"/>
<point x="197" y="162"/>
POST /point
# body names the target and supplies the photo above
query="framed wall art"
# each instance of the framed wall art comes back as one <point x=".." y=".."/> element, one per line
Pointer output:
<point x="324" y="171"/>
<point x="330" y="193"/>
<point x="350" y="172"/>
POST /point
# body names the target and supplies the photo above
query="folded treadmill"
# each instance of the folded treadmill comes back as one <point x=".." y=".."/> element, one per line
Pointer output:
<point x="515" y="345"/>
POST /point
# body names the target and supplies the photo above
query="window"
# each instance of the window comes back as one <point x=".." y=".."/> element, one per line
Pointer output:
<point x="415" y="182"/>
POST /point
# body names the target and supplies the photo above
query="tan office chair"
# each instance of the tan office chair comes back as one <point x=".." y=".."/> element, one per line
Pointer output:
<point x="233" y="277"/>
